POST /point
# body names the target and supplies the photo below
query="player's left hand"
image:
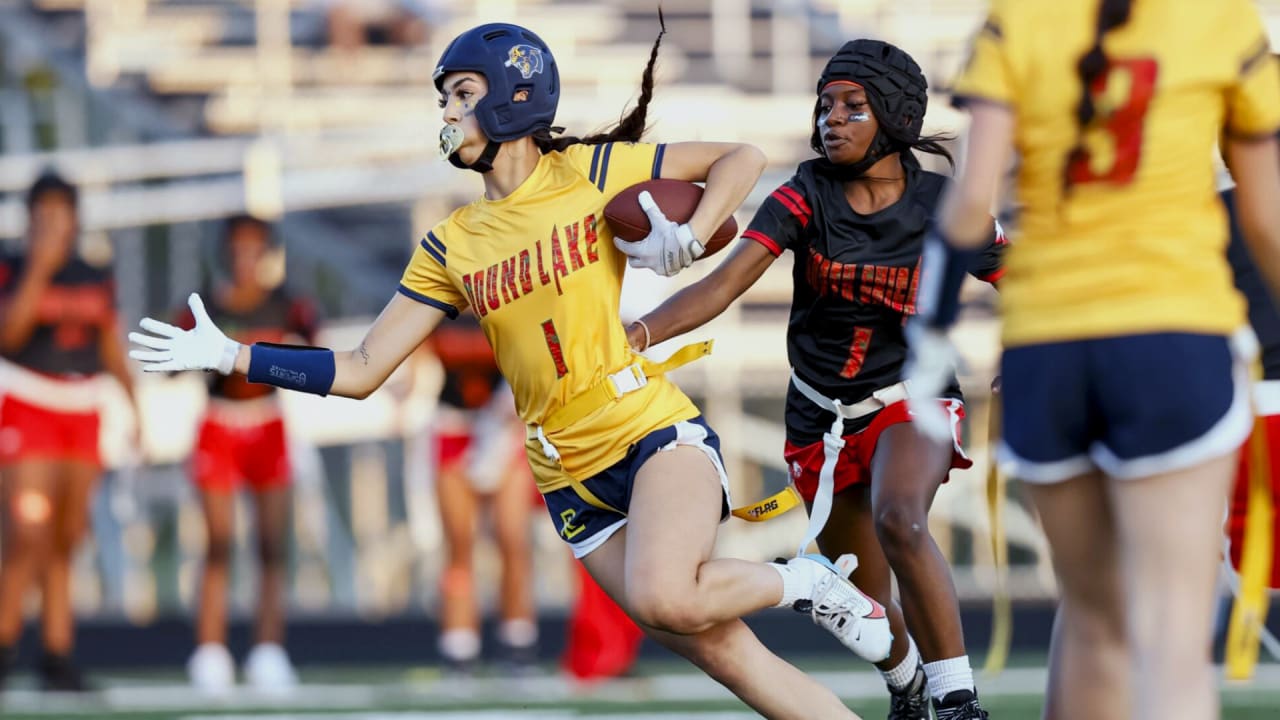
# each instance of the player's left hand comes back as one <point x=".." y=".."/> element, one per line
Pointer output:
<point x="931" y="360"/>
<point x="667" y="249"/>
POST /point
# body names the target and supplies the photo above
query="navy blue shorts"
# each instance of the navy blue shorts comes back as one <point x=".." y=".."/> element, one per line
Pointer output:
<point x="1131" y="406"/>
<point x="586" y="526"/>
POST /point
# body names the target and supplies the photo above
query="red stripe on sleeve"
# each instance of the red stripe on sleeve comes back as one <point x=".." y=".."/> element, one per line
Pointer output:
<point x="993" y="277"/>
<point x="789" y="204"/>
<point x="797" y="198"/>
<point x="769" y="243"/>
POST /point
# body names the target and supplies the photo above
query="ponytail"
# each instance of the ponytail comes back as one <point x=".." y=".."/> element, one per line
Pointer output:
<point x="630" y="128"/>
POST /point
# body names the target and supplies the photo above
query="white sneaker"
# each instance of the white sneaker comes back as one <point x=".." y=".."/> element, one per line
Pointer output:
<point x="211" y="669"/>
<point x="268" y="669"/>
<point x="836" y="604"/>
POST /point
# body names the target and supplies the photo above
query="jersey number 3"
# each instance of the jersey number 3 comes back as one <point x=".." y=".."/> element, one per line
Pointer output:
<point x="1123" y="125"/>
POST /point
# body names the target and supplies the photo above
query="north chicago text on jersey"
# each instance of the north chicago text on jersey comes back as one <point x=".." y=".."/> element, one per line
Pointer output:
<point x="892" y="287"/>
<point x="571" y="247"/>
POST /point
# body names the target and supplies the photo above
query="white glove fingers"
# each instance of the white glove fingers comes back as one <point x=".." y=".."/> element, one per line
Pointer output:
<point x="197" y="309"/>
<point x="168" y="366"/>
<point x="156" y="327"/>
<point x="151" y="356"/>
<point x="151" y="341"/>
<point x="656" y="217"/>
<point x="630" y="249"/>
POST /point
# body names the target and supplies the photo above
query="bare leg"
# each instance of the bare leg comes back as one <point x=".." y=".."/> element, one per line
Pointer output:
<point x="272" y="511"/>
<point x="1170" y="535"/>
<point x="71" y="516"/>
<point x="905" y="475"/>
<point x="211" y="616"/>
<point x="851" y="529"/>
<point x="459" y="507"/>
<point x="728" y="651"/>
<point x="672" y="584"/>
<point x="511" y="509"/>
<point x="28" y="497"/>
<point x="1089" y="664"/>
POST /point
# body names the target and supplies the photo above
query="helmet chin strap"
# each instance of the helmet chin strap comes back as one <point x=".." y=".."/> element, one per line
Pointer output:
<point x="483" y="164"/>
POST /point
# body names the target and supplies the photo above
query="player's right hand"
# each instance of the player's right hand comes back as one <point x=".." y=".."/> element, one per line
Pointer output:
<point x="204" y="347"/>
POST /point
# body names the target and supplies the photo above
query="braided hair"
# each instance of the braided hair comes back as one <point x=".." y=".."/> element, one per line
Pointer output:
<point x="629" y="129"/>
<point x="1111" y="15"/>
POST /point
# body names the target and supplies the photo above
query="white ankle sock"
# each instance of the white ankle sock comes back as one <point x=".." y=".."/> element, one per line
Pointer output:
<point x="518" y="633"/>
<point x="949" y="675"/>
<point x="795" y="583"/>
<point x="460" y="644"/>
<point x="904" y="672"/>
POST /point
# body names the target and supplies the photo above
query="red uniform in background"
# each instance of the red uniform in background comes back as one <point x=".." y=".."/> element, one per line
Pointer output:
<point x="50" y="397"/>
<point x="242" y="435"/>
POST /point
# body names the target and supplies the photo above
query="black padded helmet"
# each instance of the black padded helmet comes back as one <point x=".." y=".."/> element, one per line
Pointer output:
<point x="897" y="92"/>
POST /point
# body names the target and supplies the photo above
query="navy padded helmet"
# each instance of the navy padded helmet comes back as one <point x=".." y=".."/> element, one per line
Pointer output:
<point x="524" y="84"/>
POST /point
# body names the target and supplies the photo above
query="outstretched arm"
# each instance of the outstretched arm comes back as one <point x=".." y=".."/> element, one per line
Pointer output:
<point x="702" y="301"/>
<point x="402" y="326"/>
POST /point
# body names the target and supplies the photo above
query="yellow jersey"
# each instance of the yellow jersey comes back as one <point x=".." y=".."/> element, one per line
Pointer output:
<point x="539" y="269"/>
<point x="1137" y="243"/>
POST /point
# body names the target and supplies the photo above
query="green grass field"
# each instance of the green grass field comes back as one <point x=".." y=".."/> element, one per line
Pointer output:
<point x="659" y="691"/>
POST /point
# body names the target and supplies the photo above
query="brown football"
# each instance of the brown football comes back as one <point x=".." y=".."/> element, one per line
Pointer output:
<point x="677" y="199"/>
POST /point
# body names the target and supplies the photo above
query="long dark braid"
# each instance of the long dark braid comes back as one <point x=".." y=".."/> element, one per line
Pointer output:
<point x="1111" y="15"/>
<point x="632" y="125"/>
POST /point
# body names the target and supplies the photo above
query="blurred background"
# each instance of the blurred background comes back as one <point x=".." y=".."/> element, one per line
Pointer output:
<point x="319" y="116"/>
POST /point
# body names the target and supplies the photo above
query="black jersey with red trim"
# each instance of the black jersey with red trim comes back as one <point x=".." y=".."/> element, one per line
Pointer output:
<point x="277" y="318"/>
<point x="1262" y="307"/>
<point x="73" y="312"/>
<point x="854" y="285"/>
<point x="470" y="370"/>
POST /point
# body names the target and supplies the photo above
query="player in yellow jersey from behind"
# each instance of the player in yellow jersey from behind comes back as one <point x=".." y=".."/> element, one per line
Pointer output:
<point x="631" y="472"/>
<point x="1125" y="381"/>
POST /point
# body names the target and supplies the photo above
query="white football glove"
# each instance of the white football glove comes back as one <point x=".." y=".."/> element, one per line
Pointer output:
<point x="667" y="249"/>
<point x="172" y="348"/>
<point x="931" y="361"/>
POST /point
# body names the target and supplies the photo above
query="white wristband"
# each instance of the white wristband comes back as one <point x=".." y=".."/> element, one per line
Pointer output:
<point x="227" y="363"/>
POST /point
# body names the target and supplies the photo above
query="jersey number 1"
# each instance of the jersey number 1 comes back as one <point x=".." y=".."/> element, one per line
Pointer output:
<point x="1124" y="125"/>
<point x="553" y="345"/>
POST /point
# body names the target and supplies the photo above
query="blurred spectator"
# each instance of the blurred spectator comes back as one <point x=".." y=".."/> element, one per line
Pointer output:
<point x="405" y="23"/>
<point x="480" y="461"/>
<point x="241" y="443"/>
<point x="58" y="335"/>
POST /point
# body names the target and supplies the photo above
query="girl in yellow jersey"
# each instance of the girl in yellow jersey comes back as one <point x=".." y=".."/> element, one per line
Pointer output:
<point x="1125" y="391"/>
<point x="630" y="471"/>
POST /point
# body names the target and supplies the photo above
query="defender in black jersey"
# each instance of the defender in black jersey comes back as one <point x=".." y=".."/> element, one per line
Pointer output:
<point x="855" y="217"/>
<point x="60" y="340"/>
<point x="241" y="441"/>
